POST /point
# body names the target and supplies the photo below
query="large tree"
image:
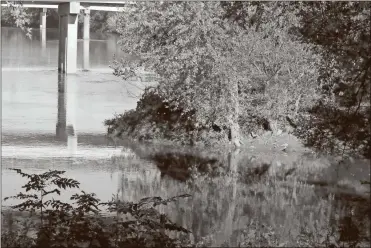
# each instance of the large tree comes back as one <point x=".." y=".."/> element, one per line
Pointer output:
<point x="205" y="61"/>
<point x="185" y="44"/>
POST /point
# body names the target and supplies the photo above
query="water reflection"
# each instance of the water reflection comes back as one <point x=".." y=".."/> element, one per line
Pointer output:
<point x="67" y="105"/>
<point x="86" y="54"/>
<point x="238" y="200"/>
<point x="19" y="51"/>
<point x="43" y="39"/>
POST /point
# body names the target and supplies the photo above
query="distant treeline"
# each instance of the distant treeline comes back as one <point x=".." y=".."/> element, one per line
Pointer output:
<point x="100" y="21"/>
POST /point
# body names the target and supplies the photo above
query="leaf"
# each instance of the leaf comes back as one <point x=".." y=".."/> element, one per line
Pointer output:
<point x="22" y="196"/>
<point x="19" y="171"/>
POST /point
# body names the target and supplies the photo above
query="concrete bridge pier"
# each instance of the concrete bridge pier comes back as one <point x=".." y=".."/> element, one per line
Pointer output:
<point x="86" y="44"/>
<point x="43" y="27"/>
<point x="68" y="21"/>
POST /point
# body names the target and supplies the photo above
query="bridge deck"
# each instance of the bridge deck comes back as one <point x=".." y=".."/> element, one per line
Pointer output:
<point x="101" y="8"/>
<point x="85" y="3"/>
<point x="93" y="5"/>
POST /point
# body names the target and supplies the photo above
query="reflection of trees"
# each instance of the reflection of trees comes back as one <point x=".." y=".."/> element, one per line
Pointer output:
<point x="19" y="51"/>
<point x="267" y="209"/>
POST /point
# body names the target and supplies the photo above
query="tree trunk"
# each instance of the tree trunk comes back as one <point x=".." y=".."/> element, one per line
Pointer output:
<point x="234" y="114"/>
<point x="297" y="105"/>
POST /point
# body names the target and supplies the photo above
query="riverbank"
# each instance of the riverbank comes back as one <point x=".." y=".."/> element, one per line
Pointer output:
<point x="156" y="121"/>
<point x="138" y="129"/>
<point x="159" y="122"/>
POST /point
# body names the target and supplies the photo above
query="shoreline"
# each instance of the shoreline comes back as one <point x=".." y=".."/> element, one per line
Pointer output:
<point x="285" y="143"/>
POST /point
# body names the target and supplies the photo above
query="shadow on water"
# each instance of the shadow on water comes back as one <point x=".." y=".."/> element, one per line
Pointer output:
<point x="177" y="165"/>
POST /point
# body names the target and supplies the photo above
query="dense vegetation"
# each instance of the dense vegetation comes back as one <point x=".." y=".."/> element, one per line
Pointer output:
<point x="228" y="70"/>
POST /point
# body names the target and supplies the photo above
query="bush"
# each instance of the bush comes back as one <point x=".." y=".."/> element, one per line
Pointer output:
<point x="157" y="119"/>
<point x="332" y="129"/>
<point x="81" y="224"/>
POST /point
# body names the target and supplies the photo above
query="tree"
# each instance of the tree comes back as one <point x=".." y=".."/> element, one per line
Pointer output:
<point x="278" y="73"/>
<point x="184" y="44"/>
<point x="343" y="31"/>
<point x="338" y="33"/>
<point x="203" y="59"/>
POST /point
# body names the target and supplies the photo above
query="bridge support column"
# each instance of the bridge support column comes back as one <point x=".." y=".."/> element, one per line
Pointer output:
<point x="43" y="27"/>
<point x="68" y="20"/>
<point x="86" y="24"/>
<point x="43" y="18"/>
<point x="86" y="45"/>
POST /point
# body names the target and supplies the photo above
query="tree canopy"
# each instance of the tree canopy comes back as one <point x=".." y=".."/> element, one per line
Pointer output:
<point x="205" y="61"/>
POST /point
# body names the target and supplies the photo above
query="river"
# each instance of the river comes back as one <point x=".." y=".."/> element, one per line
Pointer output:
<point x="235" y="197"/>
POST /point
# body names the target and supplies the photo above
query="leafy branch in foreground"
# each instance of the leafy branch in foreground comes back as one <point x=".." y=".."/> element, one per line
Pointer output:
<point x="43" y="184"/>
<point x="83" y="223"/>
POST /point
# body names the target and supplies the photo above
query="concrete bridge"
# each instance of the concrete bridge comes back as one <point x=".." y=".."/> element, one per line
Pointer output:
<point x="68" y="25"/>
<point x="67" y="56"/>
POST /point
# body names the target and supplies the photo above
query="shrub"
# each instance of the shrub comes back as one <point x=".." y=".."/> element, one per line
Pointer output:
<point x="155" y="118"/>
<point x="337" y="130"/>
<point x="81" y="224"/>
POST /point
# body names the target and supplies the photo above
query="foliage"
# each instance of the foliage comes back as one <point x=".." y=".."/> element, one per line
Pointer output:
<point x="102" y="21"/>
<point x="82" y="224"/>
<point x="157" y="119"/>
<point x="220" y="71"/>
<point x="341" y="35"/>
<point x="281" y="77"/>
<point x="176" y="37"/>
<point x="337" y="131"/>
<point x="15" y="12"/>
<point x="112" y="22"/>
<point x="342" y="30"/>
